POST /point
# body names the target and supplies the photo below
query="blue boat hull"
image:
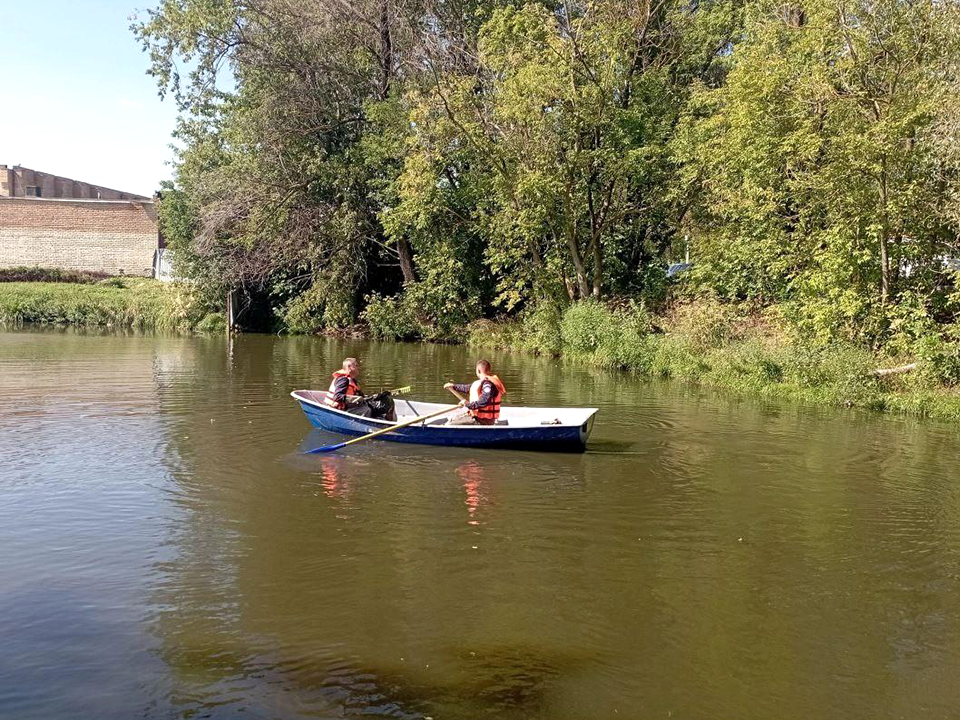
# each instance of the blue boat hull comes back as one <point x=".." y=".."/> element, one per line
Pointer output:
<point x="555" y="438"/>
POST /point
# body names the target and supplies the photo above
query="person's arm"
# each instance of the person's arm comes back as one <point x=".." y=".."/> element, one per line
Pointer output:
<point x="340" y="386"/>
<point x="487" y="392"/>
<point x="462" y="388"/>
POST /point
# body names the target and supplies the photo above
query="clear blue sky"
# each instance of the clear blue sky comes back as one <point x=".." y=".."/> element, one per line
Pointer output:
<point x="75" y="99"/>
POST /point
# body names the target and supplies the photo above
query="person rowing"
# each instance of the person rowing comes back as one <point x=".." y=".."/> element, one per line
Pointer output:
<point x="345" y="394"/>
<point x="484" y="396"/>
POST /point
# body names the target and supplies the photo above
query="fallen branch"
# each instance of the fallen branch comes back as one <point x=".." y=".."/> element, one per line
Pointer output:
<point x="883" y="372"/>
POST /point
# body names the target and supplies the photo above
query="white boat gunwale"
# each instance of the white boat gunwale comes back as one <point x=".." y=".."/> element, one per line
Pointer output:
<point x="428" y="407"/>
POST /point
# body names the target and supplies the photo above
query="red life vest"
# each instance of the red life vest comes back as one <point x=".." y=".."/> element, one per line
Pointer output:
<point x="491" y="411"/>
<point x="352" y="389"/>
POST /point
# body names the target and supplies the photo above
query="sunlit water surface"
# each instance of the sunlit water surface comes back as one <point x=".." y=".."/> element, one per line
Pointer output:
<point x="167" y="551"/>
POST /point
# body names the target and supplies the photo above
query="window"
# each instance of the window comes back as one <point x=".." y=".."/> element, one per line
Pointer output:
<point x="33" y="191"/>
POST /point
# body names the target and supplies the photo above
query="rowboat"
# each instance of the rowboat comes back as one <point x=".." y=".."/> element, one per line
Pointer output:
<point x="555" y="429"/>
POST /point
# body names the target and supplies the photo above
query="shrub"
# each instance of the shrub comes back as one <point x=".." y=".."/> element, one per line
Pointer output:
<point x="140" y="304"/>
<point x="212" y="323"/>
<point x="541" y="332"/>
<point x="704" y="323"/>
<point x="304" y="314"/>
<point x="389" y="318"/>
<point x="612" y="337"/>
<point x="938" y="360"/>
<point x="421" y="311"/>
<point x="39" y="274"/>
<point x="585" y="325"/>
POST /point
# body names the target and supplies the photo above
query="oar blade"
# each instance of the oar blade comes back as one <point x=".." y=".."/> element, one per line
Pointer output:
<point x="326" y="448"/>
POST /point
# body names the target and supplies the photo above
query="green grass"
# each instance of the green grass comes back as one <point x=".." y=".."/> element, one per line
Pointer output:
<point x="134" y="303"/>
<point x="712" y="345"/>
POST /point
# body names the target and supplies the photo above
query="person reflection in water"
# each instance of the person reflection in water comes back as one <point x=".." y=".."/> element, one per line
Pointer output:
<point x="471" y="475"/>
<point x="333" y="485"/>
<point x="345" y="394"/>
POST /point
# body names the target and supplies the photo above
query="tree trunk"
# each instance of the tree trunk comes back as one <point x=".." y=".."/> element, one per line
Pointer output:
<point x="386" y="53"/>
<point x="884" y="270"/>
<point x="582" y="285"/>
<point x="597" y="268"/>
<point x="406" y="260"/>
<point x="883" y="372"/>
<point x="884" y="231"/>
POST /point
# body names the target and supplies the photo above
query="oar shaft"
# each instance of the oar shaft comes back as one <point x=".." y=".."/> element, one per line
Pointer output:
<point x="392" y="393"/>
<point x="398" y="426"/>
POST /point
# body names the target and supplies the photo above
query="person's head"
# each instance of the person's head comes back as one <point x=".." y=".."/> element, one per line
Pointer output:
<point x="483" y="368"/>
<point x="351" y="367"/>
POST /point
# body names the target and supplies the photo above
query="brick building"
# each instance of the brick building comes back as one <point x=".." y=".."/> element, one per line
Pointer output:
<point x="55" y="222"/>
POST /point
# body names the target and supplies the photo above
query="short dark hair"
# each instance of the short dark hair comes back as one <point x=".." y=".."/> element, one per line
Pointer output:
<point x="483" y="365"/>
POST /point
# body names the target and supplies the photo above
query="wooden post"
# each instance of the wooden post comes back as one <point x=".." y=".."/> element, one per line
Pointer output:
<point x="229" y="311"/>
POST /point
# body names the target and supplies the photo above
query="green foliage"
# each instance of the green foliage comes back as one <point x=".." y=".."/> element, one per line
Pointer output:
<point x="210" y="323"/>
<point x="939" y="359"/>
<point x="40" y="274"/>
<point x="613" y="337"/>
<point x="423" y="311"/>
<point x="431" y="166"/>
<point x="705" y="322"/>
<point x="304" y="313"/>
<point x="391" y="318"/>
<point x="129" y="303"/>
<point x="540" y="328"/>
<point x="817" y="161"/>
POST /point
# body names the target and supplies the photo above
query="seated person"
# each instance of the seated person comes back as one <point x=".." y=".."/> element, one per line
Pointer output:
<point x="485" y="395"/>
<point x="345" y="394"/>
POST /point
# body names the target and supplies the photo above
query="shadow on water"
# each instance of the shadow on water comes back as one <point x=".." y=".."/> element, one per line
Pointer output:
<point x="613" y="447"/>
<point x="503" y="682"/>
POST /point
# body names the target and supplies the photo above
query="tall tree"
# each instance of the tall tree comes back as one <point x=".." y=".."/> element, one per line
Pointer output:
<point x="815" y="161"/>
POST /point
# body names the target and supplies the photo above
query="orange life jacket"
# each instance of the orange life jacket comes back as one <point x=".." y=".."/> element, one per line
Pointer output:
<point x="491" y="411"/>
<point x="352" y="389"/>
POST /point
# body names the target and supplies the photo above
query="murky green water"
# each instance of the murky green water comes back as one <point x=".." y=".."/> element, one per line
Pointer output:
<point x="166" y="551"/>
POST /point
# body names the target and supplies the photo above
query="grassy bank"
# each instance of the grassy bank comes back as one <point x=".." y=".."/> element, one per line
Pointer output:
<point x="715" y="345"/>
<point x="136" y="303"/>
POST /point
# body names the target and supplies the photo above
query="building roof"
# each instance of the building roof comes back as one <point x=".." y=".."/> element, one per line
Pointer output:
<point x="19" y="181"/>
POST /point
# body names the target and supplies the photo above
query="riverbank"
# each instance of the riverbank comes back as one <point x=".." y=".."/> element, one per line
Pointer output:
<point x="712" y="345"/>
<point x="127" y="302"/>
<point x="707" y="343"/>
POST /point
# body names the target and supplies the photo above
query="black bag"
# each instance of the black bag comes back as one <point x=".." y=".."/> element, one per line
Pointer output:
<point x="381" y="405"/>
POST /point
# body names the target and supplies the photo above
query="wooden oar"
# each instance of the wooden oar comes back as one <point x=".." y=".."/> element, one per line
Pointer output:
<point x="399" y="391"/>
<point x="459" y="395"/>
<point x="330" y="448"/>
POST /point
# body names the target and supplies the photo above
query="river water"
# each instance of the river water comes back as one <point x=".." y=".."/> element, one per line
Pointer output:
<point x="167" y="551"/>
